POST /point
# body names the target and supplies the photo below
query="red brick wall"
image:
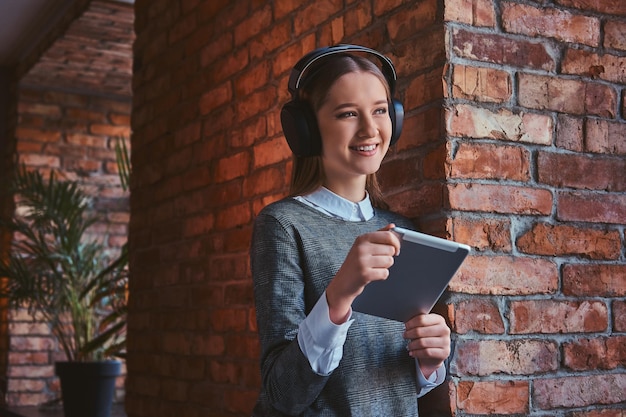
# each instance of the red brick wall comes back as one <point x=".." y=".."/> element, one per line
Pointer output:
<point x="539" y="302"/>
<point x="75" y="136"/>
<point x="537" y="184"/>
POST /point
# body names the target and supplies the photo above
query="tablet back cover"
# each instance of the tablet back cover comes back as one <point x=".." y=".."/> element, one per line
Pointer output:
<point x="418" y="277"/>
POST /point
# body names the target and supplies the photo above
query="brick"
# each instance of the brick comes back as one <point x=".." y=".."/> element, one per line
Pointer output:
<point x="570" y="133"/>
<point x="26" y="385"/>
<point x="240" y="400"/>
<point x="264" y="181"/>
<point x="215" y="98"/>
<point x="31" y="371"/>
<point x="574" y="391"/>
<point x="615" y="35"/>
<point x="394" y="173"/>
<point x="554" y="316"/>
<point x="421" y="128"/>
<point x="29" y="328"/>
<point x="29" y="358"/>
<point x="480" y="13"/>
<point x="314" y="14"/>
<point x="249" y="133"/>
<point x="27" y="399"/>
<point x="483" y="234"/>
<point x="86" y="114"/>
<point x="252" y="79"/>
<point x="288" y="57"/>
<point x="227" y="65"/>
<point x="225" y="267"/>
<point x="270" y="152"/>
<point x="506" y="275"/>
<point x="417" y="201"/>
<point x="481" y="84"/>
<point x="198" y="225"/>
<point x="591" y="207"/>
<point x="184" y="204"/>
<point x="381" y="7"/>
<point x="477" y="315"/>
<point x="51" y="111"/>
<point x="35" y="160"/>
<point x="610" y="7"/>
<point x="256" y="23"/>
<point x="588" y="64"/>
<point x="39" y="135"/>
<point x="563" y="171"/>
<point x="109" y="130"/>
<point x="493" y="397"/>
<point x="603" y="136"/>
<point x="177" y="343"/>
<point x="516" y="357"/>
<point x="489" y="161"/>
<point x="607" y="412"/>
<point x="593" y="354"/>
<point x="233" y="216"/>
<point x="583" y="280"/>
<point x="411" y="20"/>
<point x="216" y="49"/>
<point x="563" y="240"/>
<point x="469" y="121"/>
<point x="255" y="103"/>
<point x="619" y="315"/>
<point x="243" y="345"/>
<point x="232" y="167"/>
<point x="551" y="22"/>
<point x="423" y="90"/>
<point x="285" y="7"/>
<point x="359" y="18"/>
<point x="566" y="95"/>
<point x="412" y="57"/>
<point x="239" y="294"/>
<point x="499" y="199"/>
<point x="497" y="49"/>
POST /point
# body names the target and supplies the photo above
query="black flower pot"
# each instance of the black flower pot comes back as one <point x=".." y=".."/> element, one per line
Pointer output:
<point x="88" y="387"/>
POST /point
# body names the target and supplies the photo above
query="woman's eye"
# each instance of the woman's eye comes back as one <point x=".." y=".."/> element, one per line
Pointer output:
<point x="346" y="114"/>
<point x="382" y="110"/>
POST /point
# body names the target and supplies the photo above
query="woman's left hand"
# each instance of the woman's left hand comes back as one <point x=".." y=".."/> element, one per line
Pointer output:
<point x="428" y="338"/>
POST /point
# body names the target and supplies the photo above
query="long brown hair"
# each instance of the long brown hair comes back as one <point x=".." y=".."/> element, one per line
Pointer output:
<point x="308" y="171"/>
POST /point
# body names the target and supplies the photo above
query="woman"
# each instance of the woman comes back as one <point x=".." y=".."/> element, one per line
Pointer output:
<point x="313" y="253"/>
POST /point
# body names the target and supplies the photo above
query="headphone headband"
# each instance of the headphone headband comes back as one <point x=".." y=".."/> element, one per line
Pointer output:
<point x="298" y="71"/>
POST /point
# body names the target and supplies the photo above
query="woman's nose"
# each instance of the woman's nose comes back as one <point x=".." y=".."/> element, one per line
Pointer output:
<point x="367" y="127"/>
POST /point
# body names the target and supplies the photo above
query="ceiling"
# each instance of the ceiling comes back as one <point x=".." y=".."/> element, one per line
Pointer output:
<point x="90" y="51"/>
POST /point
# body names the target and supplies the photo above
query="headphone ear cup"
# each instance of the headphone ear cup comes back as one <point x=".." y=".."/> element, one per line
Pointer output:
<point x="300" y="129"/>
<point x="396" y="113"/>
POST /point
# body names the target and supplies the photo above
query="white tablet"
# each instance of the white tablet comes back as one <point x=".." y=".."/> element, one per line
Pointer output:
<point x="418" y="277"/>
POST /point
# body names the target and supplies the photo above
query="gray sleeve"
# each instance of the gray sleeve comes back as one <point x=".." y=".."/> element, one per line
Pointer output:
<point x="290" y="383"/>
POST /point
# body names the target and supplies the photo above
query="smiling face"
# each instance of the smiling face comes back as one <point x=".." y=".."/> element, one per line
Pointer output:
<point x="355" y="128"/>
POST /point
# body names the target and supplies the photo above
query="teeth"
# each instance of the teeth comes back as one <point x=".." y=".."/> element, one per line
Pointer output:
<point x="366" y="148"/>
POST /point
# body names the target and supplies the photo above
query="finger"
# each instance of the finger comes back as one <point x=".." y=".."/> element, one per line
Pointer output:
<point x="422" y="320"/>
<point x="387" y="238"/>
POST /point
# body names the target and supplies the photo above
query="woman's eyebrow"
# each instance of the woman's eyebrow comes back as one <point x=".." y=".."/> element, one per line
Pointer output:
<point x="348" y="105"/>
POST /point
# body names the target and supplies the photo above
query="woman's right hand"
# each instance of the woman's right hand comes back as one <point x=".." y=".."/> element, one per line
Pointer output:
<point x="369" y="260"/>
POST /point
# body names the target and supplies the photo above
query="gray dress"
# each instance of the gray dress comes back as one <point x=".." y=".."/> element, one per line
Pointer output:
<point x="296" y="251"/>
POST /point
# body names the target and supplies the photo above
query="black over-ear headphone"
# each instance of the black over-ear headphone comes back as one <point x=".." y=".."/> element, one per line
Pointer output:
<point x="297" y="118"/>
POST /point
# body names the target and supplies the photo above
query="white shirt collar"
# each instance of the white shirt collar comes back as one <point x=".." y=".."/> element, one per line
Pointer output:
<point x="332" y="204"/>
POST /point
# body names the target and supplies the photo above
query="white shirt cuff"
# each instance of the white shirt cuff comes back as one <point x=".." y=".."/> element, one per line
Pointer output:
<point x="321" y="340"/>
<point x="435" y="379"/>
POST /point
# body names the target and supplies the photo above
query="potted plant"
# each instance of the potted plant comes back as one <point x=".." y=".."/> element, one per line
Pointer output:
<point x="69" y="280"/>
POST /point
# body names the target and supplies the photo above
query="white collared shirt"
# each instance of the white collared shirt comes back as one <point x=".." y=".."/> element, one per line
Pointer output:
<point x="319" y="338"/>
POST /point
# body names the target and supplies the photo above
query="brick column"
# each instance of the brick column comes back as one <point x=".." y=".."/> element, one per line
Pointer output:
<point x="536" y="163"/>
